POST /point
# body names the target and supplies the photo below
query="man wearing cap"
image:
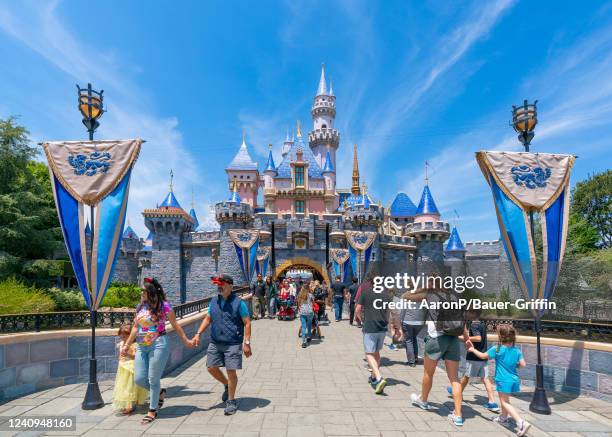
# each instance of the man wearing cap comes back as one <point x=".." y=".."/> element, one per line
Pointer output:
<point x="230" y="336"/>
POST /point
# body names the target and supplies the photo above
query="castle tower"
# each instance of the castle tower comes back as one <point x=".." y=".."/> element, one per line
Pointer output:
<point x="355" y="187"/>
<point x="192" y="213"/>
<point x="231" y="214"/>
<point x="430" y="232"/>
<point x="243" y="170"/>
<point x="287" y="144"/>
<point x="329" y="174"/>
<point x="269" y="190"/>
<point x="323" y="116"/>
<point x="167" y="223"/>
<point x="454" y="254"/>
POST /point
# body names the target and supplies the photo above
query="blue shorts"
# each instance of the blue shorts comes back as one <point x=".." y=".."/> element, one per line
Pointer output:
<point x="508" y="387"/>
<point x="373" y="341"/>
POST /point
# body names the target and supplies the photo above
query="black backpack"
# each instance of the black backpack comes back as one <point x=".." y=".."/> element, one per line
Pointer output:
<point x="450" y="321"/>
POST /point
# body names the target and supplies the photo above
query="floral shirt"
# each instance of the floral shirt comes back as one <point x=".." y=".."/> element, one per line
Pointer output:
<point x="149" y="328"/>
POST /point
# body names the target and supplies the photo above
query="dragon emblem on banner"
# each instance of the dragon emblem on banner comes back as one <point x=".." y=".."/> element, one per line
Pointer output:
<point x="530" y="177"/>
<point x="263" y="253"/>
<point x="90" y="166"/>
<point x="360" y="240"/>
<point x="339" y="255"/>
<point x="244" y="238"/>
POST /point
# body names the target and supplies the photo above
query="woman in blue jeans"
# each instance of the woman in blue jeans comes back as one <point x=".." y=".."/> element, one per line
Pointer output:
<point x="306" y="313"/>
<point x="149" y="331"/>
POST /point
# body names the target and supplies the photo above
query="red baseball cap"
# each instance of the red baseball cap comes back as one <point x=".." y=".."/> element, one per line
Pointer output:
<point x="221" y="279"/>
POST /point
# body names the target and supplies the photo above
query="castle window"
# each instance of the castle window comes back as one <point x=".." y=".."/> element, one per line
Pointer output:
<point x="323" y="126"/>
<point x="299" y="176"/>
<point x="299" y="206"/>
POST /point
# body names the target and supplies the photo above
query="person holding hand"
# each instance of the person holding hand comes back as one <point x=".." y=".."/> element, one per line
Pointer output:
<point x="230" y="337"/>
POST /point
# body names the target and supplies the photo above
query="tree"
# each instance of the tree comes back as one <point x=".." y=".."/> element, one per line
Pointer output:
<point x="592" y="201"/>
<point x="29" y="227"/>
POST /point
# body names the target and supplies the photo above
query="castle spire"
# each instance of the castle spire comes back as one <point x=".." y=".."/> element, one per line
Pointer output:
<point x="170" y="188"/>
<point x="355" y="189"/>
<point x="322" y="87"/>
<point x="331" y="88"/>
<point x="299" y="131"/>
<point x="426" y="173"/>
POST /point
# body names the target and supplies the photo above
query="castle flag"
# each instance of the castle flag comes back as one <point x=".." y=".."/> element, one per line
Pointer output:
<point x="360" y="241"/>
<point x="521" y="183"/>
<point x="246" y="243"/>
<point x="97" y="174"/>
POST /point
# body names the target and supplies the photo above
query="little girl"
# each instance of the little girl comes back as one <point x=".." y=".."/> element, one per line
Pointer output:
<point x="507" y="359"/>
<point x="127" y="393"/>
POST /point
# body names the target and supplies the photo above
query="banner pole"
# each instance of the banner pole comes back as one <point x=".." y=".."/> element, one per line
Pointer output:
<point x="539" y="402"/>
<point x="93" y="399"/>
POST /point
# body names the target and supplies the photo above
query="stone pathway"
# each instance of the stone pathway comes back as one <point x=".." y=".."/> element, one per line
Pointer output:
<point x="285" y="390"/>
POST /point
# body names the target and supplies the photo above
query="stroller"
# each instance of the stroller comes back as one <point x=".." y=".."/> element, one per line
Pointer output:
<point x="286" y="308"/>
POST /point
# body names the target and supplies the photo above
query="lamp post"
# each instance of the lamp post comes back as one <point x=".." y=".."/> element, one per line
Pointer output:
<point x="90" y="104"/>
<point x="524" y="120"/>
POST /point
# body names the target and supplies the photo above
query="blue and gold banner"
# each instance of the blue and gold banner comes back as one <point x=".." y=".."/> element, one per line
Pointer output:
<point x="360" y="241"/>
<point x="246" y="243"/>
<point x="531" y="182"/>
<point x="340" y="260"/>
<point x="96" y="174"/>
<point x="263" y="256"/>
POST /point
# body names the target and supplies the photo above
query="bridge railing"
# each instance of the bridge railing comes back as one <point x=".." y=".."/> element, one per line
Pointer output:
<point x="14" y="323"/>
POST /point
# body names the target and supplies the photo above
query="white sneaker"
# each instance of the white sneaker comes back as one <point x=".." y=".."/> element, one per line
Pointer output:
<point x="416" y="400"/>
<point x="523" y="427"/>
<point x="500" y="419"/>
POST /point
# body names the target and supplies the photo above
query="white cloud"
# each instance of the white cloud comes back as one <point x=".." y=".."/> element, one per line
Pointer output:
<point x="37" y="26"/>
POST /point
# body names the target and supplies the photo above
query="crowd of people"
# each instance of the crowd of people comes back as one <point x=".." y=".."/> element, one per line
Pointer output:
<point x="144" y="348"/>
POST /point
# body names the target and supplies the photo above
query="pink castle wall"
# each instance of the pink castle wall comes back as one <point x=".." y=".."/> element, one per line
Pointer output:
<point x="247" y="196"/>
<point x="283" y="206"/>
<point x="316" y="206"/>
<point x="426" y="218"/>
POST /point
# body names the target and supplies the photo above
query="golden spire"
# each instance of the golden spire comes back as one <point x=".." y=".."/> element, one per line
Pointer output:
<point x="426" y="175"/>
<point x="171" y="180"/>
<point x="235" y="186"/>
<point x="299" y="131"/>
<point x="192" y="199"/>
<point x="355" y="189"/>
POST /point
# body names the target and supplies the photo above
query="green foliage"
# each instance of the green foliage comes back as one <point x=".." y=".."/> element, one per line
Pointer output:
<point x="29" y="227"/>
<point x="592" y="201"/>
<point x="67" y="300"/>
<point x="581" y="236"/>
<point x="122" y="296"/>
<point x="16" y="298"/>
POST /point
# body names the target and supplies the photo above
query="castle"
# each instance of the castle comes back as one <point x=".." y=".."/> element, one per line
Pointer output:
<point x="303" y="218"/>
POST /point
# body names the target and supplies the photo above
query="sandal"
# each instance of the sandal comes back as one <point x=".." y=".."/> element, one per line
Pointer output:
<point x="128" y="411"/>
<point x="160" y="403"/>
<point x="148" y="419"/>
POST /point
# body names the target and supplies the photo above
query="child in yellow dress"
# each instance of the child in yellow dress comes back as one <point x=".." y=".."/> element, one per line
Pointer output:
<point x="127" y="394"/>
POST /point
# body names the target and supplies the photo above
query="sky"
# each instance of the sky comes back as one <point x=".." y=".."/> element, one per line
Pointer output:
<point x="415" y="81"/>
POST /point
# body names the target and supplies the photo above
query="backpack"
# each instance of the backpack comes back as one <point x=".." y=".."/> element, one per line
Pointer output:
<point x="449" y="321"/>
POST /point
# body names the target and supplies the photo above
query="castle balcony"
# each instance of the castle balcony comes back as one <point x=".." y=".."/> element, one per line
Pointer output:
<point x="269" y="191"/>
<point x="325" y="135"/>
<point x="432" y="230"/>
<point x="201" y="238"/>
<point x="398" y="242"/>
<point x="233" y="212"/>
<point x="324" y="106"/>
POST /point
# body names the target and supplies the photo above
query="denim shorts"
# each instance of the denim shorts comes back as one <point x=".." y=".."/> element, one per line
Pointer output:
<point x="224" y="355"/>
<point x="373" y="341"/>
<point x="444" y="347"/>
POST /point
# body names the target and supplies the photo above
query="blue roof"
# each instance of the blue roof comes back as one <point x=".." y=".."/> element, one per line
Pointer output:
<point x="454" y="242"/>
<point x="427" y="204"/>
<point x="328" y="167"/>
<point x="355" y="199"/>
<point x="284" y="169"/>
<point x="242" y="160"/>
<point x="170" y="201"/>
<point x="129" y="233"/>
<point x="193" y="215"/>
<point x="403" y="206"/>
<point x="270" y="165"/>
<point x="235" y="197"/>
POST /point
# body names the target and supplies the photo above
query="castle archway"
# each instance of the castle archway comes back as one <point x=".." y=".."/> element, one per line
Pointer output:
<point x="302" y="263"/>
